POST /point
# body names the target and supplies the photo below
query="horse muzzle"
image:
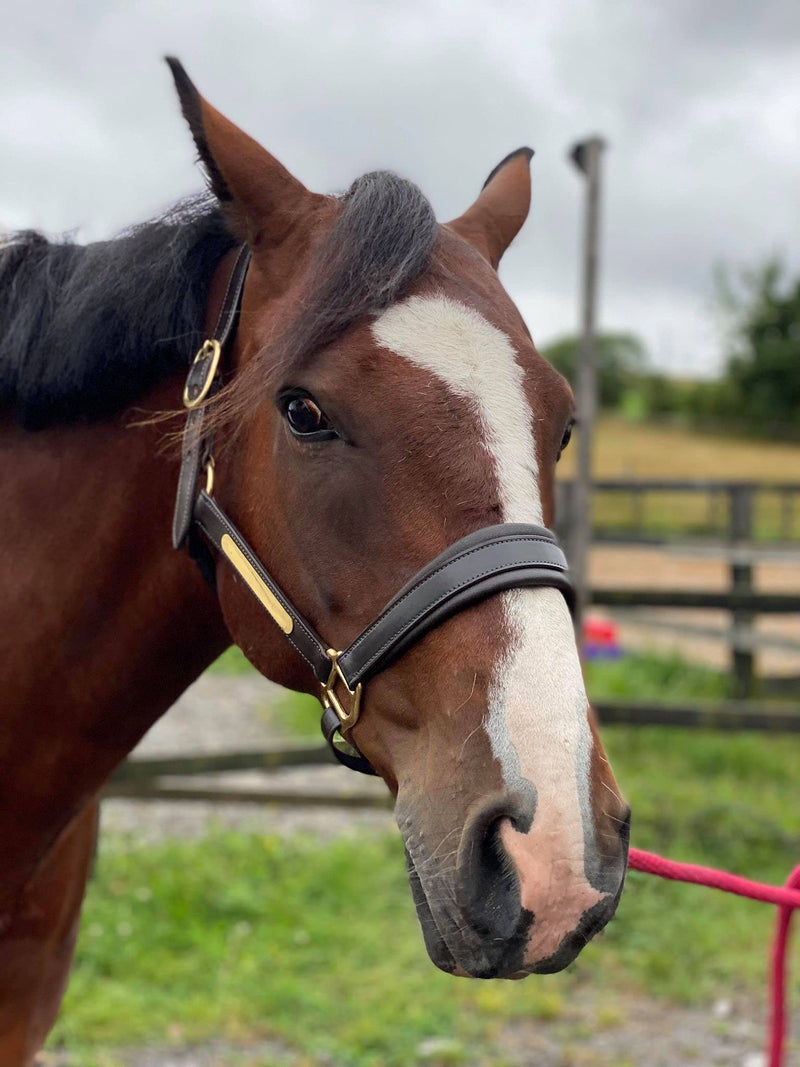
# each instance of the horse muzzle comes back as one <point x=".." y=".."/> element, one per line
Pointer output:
<point x="498" y="913"/>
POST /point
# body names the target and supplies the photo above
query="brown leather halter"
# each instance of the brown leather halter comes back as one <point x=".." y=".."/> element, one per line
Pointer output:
<point x="487" y="561"/>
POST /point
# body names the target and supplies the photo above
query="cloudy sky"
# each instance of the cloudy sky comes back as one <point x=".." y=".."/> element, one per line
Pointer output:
<point x="699" y="102"/>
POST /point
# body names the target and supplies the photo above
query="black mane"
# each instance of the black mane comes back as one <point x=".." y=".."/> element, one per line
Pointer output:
<point x="86" y="329"/>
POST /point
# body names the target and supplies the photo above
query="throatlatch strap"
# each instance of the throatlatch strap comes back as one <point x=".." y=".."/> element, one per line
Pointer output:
<point x="345" y="752"/>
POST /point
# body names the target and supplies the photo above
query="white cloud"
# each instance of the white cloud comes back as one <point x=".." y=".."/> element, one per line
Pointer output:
<point x="700" y="104"/>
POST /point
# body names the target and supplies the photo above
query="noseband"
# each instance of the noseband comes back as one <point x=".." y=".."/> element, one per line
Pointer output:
<point x="488" y="561"/>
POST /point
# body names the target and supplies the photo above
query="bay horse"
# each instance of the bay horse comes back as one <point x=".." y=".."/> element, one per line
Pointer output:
<point x="383" y="399"/>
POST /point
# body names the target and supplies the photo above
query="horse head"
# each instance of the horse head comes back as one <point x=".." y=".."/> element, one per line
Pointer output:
<point x="387" y="400"/>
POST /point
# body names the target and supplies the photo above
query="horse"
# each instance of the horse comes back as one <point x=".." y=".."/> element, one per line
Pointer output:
<point x="381" y="401"/>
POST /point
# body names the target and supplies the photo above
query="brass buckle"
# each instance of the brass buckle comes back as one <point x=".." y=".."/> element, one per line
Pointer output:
<point x="210" y="476"/>
<point x="347" y="719"/>
<point x="210" y="349"/>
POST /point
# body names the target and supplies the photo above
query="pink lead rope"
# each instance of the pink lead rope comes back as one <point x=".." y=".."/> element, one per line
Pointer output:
<point x="787" y="898"/>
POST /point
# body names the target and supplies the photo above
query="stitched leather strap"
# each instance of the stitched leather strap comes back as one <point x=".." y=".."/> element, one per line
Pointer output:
<point x="488" y="561"/>
<point x="216" y="525"/>
<point x="195" y="449"/>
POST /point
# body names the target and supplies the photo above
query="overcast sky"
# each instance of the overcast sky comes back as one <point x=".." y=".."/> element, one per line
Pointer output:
<point x="699" y="101"/>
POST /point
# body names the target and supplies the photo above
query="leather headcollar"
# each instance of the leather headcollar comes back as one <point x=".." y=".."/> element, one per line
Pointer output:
<point x="485" y="562"/>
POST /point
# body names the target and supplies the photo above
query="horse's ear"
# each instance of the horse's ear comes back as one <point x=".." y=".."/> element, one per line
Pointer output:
<point x="262" y="199"/>
<point x="496" y="217"/>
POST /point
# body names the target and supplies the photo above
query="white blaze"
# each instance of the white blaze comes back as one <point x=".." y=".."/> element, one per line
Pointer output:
<point x="537" y="715"/>
<point x="476" y="361"/>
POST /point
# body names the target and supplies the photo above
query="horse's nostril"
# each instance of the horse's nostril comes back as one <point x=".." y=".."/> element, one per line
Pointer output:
<point x="492" y="899"/>
<point x="488" y="885"/>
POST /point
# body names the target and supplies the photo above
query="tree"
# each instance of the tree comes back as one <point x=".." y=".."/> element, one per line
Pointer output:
<point x="762" y="307"/>
<point x="621" y="357"/>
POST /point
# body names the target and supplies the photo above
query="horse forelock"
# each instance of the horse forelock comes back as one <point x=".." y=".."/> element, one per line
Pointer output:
<point x="382" y="239"/>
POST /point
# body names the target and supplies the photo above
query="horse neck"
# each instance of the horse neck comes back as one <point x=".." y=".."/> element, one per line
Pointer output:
<point x="102" y="623"/>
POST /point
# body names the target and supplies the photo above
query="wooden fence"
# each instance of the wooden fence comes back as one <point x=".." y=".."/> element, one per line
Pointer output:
<point x="170" y="778"/>
<point x="741" y="523"/>
<point x="651" y="512"/>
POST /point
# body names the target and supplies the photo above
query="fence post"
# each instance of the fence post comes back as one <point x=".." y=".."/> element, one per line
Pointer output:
<point x="787" y="514"/>
<point x="741" y="576"/>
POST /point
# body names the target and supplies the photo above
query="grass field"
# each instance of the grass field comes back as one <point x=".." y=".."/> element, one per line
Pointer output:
<point x="625" y="449"/>
<point x="317" y="945"/>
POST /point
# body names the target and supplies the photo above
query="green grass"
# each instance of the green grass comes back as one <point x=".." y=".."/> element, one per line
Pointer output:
<point x="650" y="677"/>
<point x="243" y="936"/>
<point x="238" y="936"/>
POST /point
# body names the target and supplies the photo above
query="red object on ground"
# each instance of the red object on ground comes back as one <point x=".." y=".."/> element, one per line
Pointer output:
<point x="787" y="898"/>
<point x="600" y="631"/>
<point x="600" y="638"/>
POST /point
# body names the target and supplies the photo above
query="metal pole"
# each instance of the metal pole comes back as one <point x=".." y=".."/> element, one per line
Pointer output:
<point x="586" y="155"/>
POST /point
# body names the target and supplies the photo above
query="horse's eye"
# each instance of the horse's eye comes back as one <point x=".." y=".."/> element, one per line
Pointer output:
<point x="306" y="418"/>
<point x="565" y="440"/>
<point x="304" y="415"/>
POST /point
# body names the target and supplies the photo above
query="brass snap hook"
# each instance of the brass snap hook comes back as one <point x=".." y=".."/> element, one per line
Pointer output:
<point x="329" y="698"/>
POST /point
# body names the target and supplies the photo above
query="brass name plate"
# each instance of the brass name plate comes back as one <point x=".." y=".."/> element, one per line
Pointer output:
<point x="261" y="590"/>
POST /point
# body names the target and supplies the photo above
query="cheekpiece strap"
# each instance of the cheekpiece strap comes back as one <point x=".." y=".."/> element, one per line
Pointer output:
<point x="201" y="382"/>
<point x="228" y="540"/>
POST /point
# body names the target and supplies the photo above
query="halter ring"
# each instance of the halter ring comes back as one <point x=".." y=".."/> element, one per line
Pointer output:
<point x="202" y="374"/>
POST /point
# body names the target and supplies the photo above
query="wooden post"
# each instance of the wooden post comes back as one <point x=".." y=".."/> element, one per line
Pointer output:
<point x="741" y="574"/>
<point x="787" y="501"/>
<point x="586" y="155"/>
<point x="637" y="498"/>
